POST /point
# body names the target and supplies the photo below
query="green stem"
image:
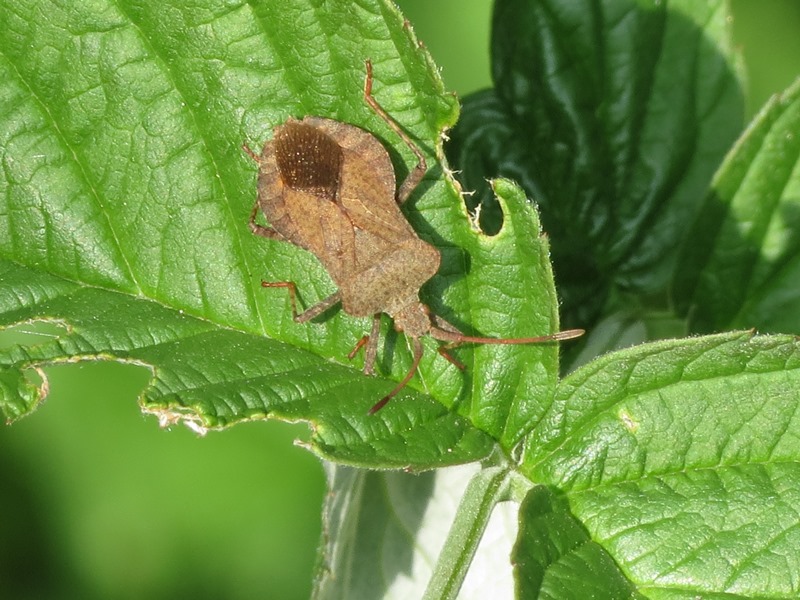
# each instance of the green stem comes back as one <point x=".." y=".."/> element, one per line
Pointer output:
<point x="487" y="488"/>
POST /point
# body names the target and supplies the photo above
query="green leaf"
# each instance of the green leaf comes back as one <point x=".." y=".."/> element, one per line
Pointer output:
<point x="210" y="376"/>
<point x="510" y="274"/>
<point x="741" y="261"/>
<point x="555" y="557"/>
<point x="681" y="460"/>
<point x="124" y="202"/>
<point x="613" y="116"/>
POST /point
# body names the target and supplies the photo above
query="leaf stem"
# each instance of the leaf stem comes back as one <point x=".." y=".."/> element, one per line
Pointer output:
<point x="488" y="487"/>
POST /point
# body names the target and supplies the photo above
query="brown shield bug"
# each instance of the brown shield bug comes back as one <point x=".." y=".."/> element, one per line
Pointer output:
<point x="330" y="188"/>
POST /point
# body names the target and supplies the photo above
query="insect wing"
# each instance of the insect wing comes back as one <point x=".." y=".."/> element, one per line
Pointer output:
<point x="367" y="185"/>
<point x="389" y="258"/>
<point x="298" y="184"/>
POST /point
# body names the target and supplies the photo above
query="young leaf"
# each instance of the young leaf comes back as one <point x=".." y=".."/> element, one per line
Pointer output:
<point x="382" y="531"/>
<point x="741" y="261"/>
<point x="613" y="115"/>
<point x="681" y="460"/>
<point x="488" y="487"/>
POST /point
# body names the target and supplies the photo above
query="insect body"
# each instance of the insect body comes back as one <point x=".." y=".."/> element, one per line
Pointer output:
<point x="330" y="188"/>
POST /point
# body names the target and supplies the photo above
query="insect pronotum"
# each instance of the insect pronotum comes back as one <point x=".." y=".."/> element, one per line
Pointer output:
<point x="330" y="188"/>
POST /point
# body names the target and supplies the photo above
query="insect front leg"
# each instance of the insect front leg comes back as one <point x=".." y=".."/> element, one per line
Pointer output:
<point x="267" y="232"/>
<point x="418" y="172"/>
<point x="251" y="154"/>
<point x="308" y="314"/>
<point x="263" y="231"/>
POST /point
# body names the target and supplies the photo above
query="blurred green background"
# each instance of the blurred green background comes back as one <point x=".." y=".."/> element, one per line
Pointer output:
<point x="97" y="502"/>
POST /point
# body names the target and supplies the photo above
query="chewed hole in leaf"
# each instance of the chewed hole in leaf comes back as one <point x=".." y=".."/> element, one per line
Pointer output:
<point x="31" y="333"/>
<point x="485" y="210"/>
<point x="20" y="390"/>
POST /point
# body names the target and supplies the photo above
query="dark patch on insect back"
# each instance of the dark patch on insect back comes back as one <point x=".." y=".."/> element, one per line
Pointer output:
<point x="308" y="160"/>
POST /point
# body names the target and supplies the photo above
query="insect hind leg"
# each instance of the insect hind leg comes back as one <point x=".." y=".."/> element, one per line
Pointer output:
<point x="371" y="343"/>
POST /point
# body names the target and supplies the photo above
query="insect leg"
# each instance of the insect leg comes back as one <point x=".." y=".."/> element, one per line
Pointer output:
<point x="441" y="323"/>
<point x="372" y="346"/>
<point x="414" y="365"/>
<point x="308" y="314"/>
<point x="359" y="345"/>
<point x="447" y="332"/>
<point x="443" y="350"/>
<point x="371" y="342"/>
<point x="251" y="154"/>
<point x="267" y="232"/>
<point x="418" y="172"/>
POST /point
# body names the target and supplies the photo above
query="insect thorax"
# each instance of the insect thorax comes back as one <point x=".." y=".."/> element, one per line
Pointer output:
<point x="393" y="282"/>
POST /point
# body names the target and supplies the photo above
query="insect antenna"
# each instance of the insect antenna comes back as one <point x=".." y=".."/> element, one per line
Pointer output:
<point x="459" y="338"/>
<point x="417" y="356"/>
